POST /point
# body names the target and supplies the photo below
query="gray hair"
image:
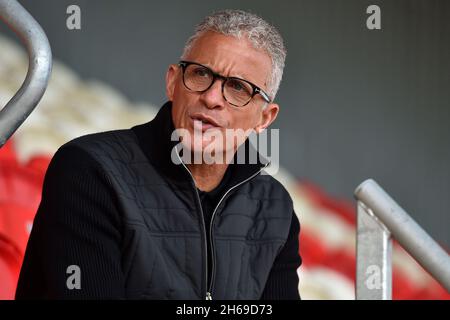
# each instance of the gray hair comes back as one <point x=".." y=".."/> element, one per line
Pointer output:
<point x="260" y="33"/>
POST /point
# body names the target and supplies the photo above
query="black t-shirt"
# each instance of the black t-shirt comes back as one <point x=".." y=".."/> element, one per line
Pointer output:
<point x="209" y="201"/>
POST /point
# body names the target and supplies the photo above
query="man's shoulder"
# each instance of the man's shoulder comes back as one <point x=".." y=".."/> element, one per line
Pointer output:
<point x="113" y="143"/>
<point x="96" y="149"/>
<point x="273" y="187"/>
<point x="101" y="141"/>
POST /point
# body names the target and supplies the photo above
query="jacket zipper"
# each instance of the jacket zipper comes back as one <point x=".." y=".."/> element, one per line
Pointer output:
<point x="213" y="260"/>
<point x="213" y="267"/>
<point x="208" y="294"/>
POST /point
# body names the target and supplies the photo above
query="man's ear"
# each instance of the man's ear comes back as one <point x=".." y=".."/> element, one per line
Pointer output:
<point x="269" y="114"/>
<point x="171" y="77"/>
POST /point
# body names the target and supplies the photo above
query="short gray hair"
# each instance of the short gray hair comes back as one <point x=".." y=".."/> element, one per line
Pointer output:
<point x="259" y="32"/>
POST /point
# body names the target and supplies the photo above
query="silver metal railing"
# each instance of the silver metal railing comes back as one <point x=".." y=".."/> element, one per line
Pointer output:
<point x="379" y="219"/>
<point x="39" y="68"/>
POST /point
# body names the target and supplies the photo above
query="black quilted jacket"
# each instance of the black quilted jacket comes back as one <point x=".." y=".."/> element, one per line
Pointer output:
<point x="115" y="206"/>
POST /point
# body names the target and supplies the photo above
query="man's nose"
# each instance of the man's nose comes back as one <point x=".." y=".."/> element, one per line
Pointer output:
<point x="213" y="97"/>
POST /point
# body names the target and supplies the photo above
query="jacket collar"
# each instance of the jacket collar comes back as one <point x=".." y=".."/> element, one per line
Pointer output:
<point x="154" y="138"/>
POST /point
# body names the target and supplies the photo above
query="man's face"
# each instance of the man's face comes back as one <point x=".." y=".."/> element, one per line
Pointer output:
<point x="227" y="56"/>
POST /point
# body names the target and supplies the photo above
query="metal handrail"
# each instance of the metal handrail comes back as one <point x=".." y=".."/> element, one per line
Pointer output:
<point x="379" y="218"/>
<point x="39" y="67"/>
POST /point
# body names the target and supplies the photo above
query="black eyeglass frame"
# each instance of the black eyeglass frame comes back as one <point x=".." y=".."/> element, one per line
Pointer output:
<point x="256" y="90"/>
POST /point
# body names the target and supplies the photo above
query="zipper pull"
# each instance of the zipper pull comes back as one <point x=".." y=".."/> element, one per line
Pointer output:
<point x="208" y="296"/>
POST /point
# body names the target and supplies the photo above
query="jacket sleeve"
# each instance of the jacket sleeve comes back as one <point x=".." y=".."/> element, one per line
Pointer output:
<point x="282" y="283"/>
<point x="74" y="247"/>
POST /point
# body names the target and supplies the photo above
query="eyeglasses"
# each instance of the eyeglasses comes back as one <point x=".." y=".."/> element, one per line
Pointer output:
<point x="237" y="92"/>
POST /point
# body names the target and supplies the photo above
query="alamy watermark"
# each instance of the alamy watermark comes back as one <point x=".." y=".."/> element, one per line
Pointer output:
<point x="73" y="21"/>
<point x="223" y="147"/>
<point x="373" y="280"/>
<point x="373" y="22"/>
<point x="74" y="279"/>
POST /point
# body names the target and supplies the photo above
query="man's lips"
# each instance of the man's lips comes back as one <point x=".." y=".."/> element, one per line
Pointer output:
<point x="204" y="122"/>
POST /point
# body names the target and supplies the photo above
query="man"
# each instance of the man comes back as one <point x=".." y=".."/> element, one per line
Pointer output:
<point x="123" y="217"/>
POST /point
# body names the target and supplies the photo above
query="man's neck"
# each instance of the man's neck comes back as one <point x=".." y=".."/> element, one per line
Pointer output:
<point x="207" y="176"/>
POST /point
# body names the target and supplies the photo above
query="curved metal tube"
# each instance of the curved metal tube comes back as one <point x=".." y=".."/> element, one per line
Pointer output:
<point x="406" y="231"/>
<point x="39" y="67"/>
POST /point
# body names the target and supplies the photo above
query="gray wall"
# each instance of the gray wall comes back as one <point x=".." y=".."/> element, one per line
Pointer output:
<point x="355" y="103"/>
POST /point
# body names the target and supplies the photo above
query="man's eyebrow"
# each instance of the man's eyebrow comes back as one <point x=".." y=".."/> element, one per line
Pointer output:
<point x="235" y="76"/>
<point x="219" y="73"/>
